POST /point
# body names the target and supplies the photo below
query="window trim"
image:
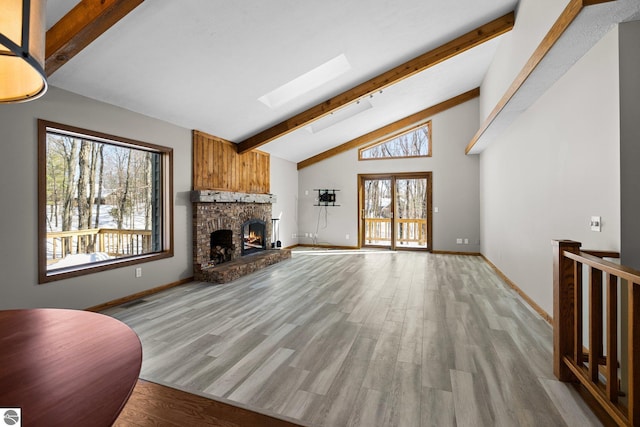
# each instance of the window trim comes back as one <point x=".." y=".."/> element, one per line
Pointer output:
<point x="45" y="276"/>
<point x="397" y="135"/>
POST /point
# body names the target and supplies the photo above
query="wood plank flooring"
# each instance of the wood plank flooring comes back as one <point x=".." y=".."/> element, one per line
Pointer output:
<point x="360" y="338"/>
<point x="155" y="405"/>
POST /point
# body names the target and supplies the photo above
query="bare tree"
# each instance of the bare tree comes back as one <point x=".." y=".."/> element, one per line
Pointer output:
<point x="100" y="155"/>
<point x="148" y="188"/>
<point x="124" y="185"/>
<point x="69" y="146"/>
<point x="415" y="143"/>
<point x="55" y="172"/>
<point x="83" y="200"/>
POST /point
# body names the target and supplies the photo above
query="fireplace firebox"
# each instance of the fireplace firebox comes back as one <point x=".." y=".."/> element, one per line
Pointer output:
<point x="254" y="233"/>
<point x="222" y="246"/>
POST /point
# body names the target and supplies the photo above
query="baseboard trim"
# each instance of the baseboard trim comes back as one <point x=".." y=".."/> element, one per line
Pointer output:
<point x="456" y="253"/>
<point x="305" y="245"/>
<point x="520" y="292"/>
<point x="138" y="295"/>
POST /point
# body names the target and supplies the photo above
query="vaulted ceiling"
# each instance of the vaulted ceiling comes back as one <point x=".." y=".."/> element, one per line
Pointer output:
<point x="203" y="64"/>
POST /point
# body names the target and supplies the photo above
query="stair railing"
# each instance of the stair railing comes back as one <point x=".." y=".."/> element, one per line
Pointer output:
<point x="584" y="280"/>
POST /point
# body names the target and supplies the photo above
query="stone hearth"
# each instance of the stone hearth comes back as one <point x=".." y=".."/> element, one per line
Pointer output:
<point x="218" y="210"/>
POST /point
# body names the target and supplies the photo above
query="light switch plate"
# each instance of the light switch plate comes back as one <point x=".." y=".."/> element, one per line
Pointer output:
<point x="595" y="223"/>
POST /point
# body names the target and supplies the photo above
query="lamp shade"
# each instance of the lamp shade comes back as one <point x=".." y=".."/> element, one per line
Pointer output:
<point x="22" y="49"/>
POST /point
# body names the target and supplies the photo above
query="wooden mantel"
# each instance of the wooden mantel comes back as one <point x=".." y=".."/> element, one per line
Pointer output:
<point x="214" y="196"/>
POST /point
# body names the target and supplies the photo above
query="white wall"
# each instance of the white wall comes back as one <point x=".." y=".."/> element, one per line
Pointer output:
<point x="534" y="18"/>
<point x="18" y="193"/>
<point x="455" y="186"/>
<point x="553" y="168"/>
<point x="284" y="184"/>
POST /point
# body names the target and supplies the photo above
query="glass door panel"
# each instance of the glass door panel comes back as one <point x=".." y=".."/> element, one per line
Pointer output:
<point x="410" y="223"/>
<point x="377" y="212"/>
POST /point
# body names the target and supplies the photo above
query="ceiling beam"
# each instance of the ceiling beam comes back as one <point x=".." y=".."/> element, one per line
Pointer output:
<point x="81" y="26"/>
<point x="565" y="19"/>
<point x="392" y="128"/>
<point x="448" y="50"/>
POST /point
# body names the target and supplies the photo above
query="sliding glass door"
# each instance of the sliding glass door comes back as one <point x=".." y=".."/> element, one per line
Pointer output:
<point x="377" y="211"/>
<point x="395" y="210"/>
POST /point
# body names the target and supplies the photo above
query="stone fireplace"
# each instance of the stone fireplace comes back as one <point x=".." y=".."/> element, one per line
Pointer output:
<point x="230" y="235"/>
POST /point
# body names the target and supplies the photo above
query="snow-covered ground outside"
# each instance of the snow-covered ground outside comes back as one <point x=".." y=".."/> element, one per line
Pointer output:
<point x="105" y="221"/>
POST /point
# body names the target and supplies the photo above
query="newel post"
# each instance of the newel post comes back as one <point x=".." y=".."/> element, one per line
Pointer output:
<point x="563" y="307"/>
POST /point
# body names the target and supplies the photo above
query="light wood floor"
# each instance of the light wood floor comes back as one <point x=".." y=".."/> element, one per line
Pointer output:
<point x="338" y="338"/>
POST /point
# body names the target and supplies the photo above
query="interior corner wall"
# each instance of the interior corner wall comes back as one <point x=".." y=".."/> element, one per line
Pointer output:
<point x="551" y="170"/>
<point x="19" y="286"/>
<point x="455" y="187"/>
<point x="284" y="185"/>
<point x="629" y="34"/>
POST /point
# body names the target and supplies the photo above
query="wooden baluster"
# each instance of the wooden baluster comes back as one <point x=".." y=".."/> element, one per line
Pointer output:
<point x="634" y="353"/>
<point x="612" y="338"/>
<point x="578" y="347"/>
<point x="595" y="322"/>
<point x="563" y="307"/>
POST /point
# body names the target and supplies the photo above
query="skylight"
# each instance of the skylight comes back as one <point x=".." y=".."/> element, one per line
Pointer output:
<point x="308" y="81"/>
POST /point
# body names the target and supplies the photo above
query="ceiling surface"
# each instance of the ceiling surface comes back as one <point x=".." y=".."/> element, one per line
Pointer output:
<point x="203" y="64"/>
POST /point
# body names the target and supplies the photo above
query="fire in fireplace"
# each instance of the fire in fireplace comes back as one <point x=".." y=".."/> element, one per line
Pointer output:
<point x="253" y="234"/>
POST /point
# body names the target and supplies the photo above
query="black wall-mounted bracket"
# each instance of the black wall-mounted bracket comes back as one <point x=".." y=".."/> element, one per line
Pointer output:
<point x="326" y="197"/>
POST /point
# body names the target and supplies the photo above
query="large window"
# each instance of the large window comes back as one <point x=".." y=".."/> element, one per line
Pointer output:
<point x="103" y="201"/>
<point x="415" y="142"/>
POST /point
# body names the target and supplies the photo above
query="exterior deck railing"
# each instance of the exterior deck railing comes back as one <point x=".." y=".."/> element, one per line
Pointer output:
<point x="586" y="346"/>
<point x="409" y="230"/>
<point x="108" y="240"/>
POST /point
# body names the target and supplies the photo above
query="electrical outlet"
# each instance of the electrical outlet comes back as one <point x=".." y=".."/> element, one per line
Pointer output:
<point x="138" y="271"/>
<point x="458" y="241"/>
<point x="346" y="236"/>
<point x="466" y="241"/>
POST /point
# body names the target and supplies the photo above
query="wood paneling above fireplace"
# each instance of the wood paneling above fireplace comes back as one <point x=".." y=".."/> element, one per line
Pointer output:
<point x="217" y="166"/>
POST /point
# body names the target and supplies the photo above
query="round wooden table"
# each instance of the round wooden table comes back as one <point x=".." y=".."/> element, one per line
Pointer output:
<point x="66" y="367"/>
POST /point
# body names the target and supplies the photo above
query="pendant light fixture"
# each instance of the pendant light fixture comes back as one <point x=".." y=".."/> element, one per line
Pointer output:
<point x="22" y="45"/>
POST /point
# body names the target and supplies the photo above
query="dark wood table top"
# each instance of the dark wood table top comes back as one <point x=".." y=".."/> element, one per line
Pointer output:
<point x="66" y="367"/>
